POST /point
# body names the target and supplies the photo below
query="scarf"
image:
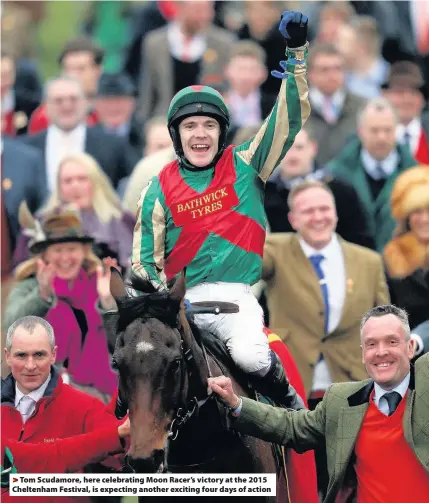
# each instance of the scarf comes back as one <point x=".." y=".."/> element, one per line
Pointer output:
<point x="80" y="334"/>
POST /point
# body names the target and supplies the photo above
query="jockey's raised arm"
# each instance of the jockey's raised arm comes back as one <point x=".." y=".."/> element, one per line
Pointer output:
<point x="290" y="112"/>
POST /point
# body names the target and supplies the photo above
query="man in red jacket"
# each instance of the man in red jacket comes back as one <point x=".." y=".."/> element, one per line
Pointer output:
<point x="64" y="455"/>
<point x="36" y="406"/>
<point x="82" y="59"/>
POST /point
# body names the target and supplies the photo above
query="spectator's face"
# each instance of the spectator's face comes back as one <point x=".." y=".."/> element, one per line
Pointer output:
<point x="408" y="102"/>
<point x="329" y="26"/>
<point x="346" y="43"/>
<point x="300" y="157"/>
<point x="261" y="17"/>
<point x="30" y="358"/>
<point x="65" y="105"/>
<point x="314" y="217"/>
<point x="327" y="73"/>
<point x="82" y="67"/>
<point x="75" y="185"/>
<point x="196" y="16"/>
<point x="377" y="132"/>
<point x="419" y="224"/>
<point x="114" y="111"/>
<point x="386" y="350"/>
<point x="7" y="75"/>
<point x="67" y="259"/>
<point x="245" y="74"/>
<point x="157" y="138"/>
<point x="200" y="139"/>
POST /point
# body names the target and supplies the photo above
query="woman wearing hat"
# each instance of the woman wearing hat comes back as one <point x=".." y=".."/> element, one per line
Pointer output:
<point x="64" y="282"/>
<point x="407" y="254"/>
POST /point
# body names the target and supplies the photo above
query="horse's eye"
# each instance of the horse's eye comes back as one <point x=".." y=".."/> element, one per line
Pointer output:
<point x="175" y="364"/>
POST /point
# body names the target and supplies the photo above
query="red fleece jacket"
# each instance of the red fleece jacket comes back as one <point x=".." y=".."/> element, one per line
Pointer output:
<point x="61" y="413"/>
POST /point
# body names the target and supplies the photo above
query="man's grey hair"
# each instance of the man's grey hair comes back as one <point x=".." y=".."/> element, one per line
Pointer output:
<point x="377" y="312"/>
<point x="62" y="78"/>
<point x="29" y="323"/>
<point x="379" y="104"/>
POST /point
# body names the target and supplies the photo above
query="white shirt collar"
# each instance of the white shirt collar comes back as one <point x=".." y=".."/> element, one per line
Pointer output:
<point x="36" y="395"/>
<point x="388" y="164"/>
<point x="8" y="102"/>
<point x="329" y="250"/>
<point x="79" y="130"/>
<point x="317" y="98"/>
<point x="413" y="128"/>
<point x="182" y="48"/>
<point x="401" y="389"/>
<point x="250" y="99"/>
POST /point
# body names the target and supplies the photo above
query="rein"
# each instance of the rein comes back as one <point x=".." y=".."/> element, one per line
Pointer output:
<point x="183" y="414"/>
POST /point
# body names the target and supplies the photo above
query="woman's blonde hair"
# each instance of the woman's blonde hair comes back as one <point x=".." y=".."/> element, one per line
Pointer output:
<point x="29" y="267"/>
<point x="105" y="201"/>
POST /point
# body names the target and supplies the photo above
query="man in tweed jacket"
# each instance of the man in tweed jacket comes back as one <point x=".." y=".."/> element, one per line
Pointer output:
<point x="344" y="418"/>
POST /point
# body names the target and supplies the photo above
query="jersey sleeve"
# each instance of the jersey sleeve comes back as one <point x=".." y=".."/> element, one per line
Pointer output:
<point x="289" y="114"/>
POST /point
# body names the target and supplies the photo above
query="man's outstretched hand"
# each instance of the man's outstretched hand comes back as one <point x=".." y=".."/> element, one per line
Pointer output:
<point x="222" y="386"/>
<point x="293" y="26"/>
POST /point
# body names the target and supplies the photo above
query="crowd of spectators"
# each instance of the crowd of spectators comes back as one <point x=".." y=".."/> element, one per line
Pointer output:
<point x="78" y="149"/>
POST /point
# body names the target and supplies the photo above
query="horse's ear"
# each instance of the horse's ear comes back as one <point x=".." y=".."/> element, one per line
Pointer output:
<point x="178" y="290"/>
<point x="117" y="285"/>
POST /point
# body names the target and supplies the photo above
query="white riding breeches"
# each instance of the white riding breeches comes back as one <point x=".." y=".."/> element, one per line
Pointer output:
<point x="242" y="332"/>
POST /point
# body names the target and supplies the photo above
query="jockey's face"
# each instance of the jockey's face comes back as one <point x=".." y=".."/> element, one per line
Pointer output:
<point x="313" y="216"/>
<point x="200" y="139"/>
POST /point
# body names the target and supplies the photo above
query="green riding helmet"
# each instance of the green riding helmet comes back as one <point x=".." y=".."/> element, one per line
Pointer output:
<point x="197" y="100"/>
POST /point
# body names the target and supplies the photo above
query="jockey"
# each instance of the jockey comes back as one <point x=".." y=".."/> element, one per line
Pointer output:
<point x="205" y="210"/>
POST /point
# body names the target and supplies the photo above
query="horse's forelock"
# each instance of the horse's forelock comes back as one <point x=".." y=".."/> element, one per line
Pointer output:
<point x="158" y="305"/>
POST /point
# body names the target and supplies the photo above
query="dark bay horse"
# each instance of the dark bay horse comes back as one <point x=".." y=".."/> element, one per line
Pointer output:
<point x="163" y="367"/>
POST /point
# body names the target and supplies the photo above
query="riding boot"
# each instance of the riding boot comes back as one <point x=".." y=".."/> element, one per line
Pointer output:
<point x="276" y="386"/>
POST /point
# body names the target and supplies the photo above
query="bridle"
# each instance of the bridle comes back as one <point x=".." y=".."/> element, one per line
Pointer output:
<point x="193" y="406"/>
<point x="189" y="367"/>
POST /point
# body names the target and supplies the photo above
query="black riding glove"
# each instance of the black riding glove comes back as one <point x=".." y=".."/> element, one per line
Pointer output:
<point x="293" y="26"/>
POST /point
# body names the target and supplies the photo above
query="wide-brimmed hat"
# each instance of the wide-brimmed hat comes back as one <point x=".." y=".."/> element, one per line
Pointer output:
<point x="406" y="75"/>
<point x="410" y="192"/>
<point x="63" y="225"/>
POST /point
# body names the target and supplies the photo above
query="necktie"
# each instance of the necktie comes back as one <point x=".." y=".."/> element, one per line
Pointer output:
<point x="26" y="407"/>
<point x="407" y="139"/>
<point x="393" y="398"/>
<point x="379" y="172"/>
<point x="328" y="110"/>
<point x="316" y="261"/>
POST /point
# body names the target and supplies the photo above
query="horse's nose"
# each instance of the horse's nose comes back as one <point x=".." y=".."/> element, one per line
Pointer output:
<point x="151" y="464"/>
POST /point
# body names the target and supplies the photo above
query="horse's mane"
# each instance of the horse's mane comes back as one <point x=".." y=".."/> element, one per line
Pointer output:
<point x="148" y="302"/>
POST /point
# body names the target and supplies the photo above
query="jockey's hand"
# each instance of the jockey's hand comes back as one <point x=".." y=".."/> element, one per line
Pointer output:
<point x="293" y="27"/>
<point x="222" y="386"/>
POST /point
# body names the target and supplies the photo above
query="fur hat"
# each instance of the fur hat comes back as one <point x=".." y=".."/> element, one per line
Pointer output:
<point x="410" y="192"/>
<point x="404" y="254"/>
<point x="60" y="226"/>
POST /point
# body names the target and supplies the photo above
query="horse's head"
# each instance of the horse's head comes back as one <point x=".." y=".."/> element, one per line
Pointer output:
<point x="153" y="334"/>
